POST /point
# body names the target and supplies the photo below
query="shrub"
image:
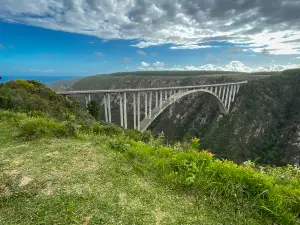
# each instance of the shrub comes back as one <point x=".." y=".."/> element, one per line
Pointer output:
<point x="195" y="143"/>
<point x="36" y="114"/>
<point x="37" y="127"/>
<point x="6" y="102"/>
<point x="94" y="109"/>
<point x="11" y="116"/>
<point x="35" y="83"/>
<point x="25" y="84"/>
<point x="113" y="130"/>
<point x="147" y="136"/>
<point x="119" y="144"/>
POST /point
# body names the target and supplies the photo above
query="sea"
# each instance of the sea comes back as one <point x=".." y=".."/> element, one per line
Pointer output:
<point x="42" y="79"/>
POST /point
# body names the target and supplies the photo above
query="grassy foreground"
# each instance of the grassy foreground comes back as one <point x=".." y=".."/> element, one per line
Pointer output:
<point x="67" y="176"/>
<point x="82" y="181"/>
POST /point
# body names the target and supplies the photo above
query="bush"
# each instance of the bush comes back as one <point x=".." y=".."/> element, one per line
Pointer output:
<point x="37" y="127"/>
<point x="94" y="109"/>
<point x="27" y="96"/>
<point x="119" y="144"/>
<point x="25" y="84"/>
<point x="11" y="116"/>
<point x="113" y="130"/>
<point x="5" y="103"/>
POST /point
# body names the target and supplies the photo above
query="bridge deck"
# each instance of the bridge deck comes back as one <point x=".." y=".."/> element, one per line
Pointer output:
<point x="146" y="89"/>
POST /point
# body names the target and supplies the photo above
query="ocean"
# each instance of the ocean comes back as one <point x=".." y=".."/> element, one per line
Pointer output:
<point x="43" y="79"/>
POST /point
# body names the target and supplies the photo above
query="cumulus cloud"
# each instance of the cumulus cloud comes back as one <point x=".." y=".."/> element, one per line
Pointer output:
<point x="98" y="54"/>
<point x="191" y="46"/>
<point x="235" y="66"/>
<point x="257" y="25"/>
<point x="158" y="64"/>
<point x="141" y="53"/>
<point x="144" y="64"/>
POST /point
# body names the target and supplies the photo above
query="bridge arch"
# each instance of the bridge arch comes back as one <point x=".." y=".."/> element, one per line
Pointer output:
<point x="146" y="122"/>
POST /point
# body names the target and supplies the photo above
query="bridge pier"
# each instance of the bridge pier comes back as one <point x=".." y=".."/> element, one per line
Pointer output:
<point x="138" y="111"/>
<point x="230" y="96"/>
<point x="105" y="108"/>
<point x="150" y="104"/>
<point x="134" y="110"/>
<point x="160" y="102"/>
<point x="125" y="110"/>
<point x="109" y="108"/>
<point x="146" y="105"/>
<point x="121" y="111"/>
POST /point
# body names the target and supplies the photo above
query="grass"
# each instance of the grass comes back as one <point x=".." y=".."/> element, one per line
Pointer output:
<point x="84" y="181"/>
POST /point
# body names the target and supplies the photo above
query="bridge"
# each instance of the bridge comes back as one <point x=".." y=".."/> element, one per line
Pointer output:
<point x="156" y="100"/>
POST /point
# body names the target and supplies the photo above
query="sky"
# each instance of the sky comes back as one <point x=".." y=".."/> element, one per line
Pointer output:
<point x="87" y="37"/>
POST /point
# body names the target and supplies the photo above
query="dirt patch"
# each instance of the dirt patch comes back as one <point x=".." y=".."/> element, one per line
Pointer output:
<point x="48" y="191"/>
<point x="159" y="216"/>
<point x="25" y="181"/>
<point x="86" y="220"/>
<point x="52" y="154"/>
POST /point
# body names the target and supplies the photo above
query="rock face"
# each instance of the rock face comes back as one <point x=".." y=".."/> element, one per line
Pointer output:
<point x="264" y="123"/>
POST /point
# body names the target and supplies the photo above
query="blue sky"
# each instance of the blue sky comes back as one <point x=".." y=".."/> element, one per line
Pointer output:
<point x="68" y="38"/>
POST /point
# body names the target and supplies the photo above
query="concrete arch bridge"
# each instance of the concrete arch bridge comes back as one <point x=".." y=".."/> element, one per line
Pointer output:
<point x="156" y="100"/>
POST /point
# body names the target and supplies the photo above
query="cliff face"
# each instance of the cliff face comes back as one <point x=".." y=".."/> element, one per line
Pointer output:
<point x="264" y="123"/>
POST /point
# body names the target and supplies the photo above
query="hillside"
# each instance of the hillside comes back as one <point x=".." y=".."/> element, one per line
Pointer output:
<point x="54" y="172"/>
<point x="35" y="98"/>
<point x="263" y="125"/>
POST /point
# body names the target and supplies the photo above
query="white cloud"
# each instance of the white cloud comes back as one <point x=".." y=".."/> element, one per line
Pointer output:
<point x="235" y="66"/>
<point x="141" y="53"/>
<point x="158" y="64"/>
<point x="98" y="54"/>
<point x="145" y="44"/>
<point x="144" y="64"/>
<point x="43" y="70"/>
<point x="183" y="24"/>
<point x="191" y="46"/>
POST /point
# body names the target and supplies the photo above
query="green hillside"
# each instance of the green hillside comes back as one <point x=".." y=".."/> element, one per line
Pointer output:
<point x="34" y="97"/>
<point x="61" y="172"/>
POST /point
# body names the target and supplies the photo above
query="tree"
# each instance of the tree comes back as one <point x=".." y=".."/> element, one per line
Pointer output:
<point x="94" y="109"/>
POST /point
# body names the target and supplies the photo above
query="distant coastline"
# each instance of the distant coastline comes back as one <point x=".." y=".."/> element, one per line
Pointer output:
<point x="43" y="79"/>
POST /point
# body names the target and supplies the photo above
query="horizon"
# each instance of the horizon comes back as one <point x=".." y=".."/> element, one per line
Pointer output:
<point x="78" y="39"/>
